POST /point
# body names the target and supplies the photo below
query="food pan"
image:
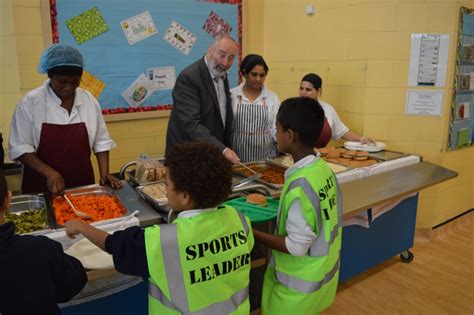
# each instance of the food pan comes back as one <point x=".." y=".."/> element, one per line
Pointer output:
<point x="26" y="208"/>
<point x="267" y="169"/>
<point x="157" y="202"/>
<point x="95" y="190"/>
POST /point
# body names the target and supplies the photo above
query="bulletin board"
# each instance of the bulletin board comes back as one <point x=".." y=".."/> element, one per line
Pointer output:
<point x="134" y="50"/>
<point x="461" y="131"/>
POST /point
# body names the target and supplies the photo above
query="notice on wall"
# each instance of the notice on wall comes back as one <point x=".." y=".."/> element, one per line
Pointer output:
<point x="138" y="27"/>
<point x="161" y="78"/>
<point x="428" y="60"/>
<point x="424" y="102"/>
<point x="137" y="92"/>
<point x="180" y="38"/>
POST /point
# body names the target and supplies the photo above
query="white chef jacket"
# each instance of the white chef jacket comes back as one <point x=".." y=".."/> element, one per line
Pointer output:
<point x="43" y="105"/>
<point x="300" y="235"/>
<point x="271" y="101"/>
<point x="338" y="128"/>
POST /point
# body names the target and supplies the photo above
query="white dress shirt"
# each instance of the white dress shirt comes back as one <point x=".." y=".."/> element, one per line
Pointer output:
<point x="220" y="91"/>
<point x="43" y="105"/>
<point x="300" y="234"/>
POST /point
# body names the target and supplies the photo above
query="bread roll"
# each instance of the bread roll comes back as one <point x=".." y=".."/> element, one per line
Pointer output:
<point x="349" y="154"/>
<point x="361" y="155"/>
<point x="257" y="199"/>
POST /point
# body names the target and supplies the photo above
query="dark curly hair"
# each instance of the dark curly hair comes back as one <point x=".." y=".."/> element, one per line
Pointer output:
<point x="201" y="170"/>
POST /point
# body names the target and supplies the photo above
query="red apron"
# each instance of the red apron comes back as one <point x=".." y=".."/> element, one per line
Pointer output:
<point x="325" y="136"/>
<point x="66" y="149"/>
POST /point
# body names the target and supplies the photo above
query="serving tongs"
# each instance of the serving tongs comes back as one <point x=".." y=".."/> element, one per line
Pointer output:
<point x="249" y="179"/>
<point x="77" y="212"/>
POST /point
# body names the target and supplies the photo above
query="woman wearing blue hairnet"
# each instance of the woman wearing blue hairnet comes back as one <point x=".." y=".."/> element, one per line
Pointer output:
<point x="55" y="126"/>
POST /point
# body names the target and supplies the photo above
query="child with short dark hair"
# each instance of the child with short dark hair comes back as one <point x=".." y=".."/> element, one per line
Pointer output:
<point x="35" y="272"/>
<point x="199" y="262"/>
<point x="303" y="272"/>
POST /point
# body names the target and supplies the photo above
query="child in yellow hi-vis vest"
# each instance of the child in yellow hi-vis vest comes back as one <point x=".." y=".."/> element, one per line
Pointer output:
<point x="201" y="261"/>
<point x="303" y="272"/>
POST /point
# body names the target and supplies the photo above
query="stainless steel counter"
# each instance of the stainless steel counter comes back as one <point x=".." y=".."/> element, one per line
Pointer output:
<point x="361" y="194"/>
<point x="130" y="198"/>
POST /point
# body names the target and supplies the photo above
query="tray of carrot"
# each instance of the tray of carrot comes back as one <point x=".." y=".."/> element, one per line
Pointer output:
<point x="100" y="202"/>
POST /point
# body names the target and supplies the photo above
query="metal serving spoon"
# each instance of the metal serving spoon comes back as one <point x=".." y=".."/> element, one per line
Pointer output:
<point x="77" y="212"/>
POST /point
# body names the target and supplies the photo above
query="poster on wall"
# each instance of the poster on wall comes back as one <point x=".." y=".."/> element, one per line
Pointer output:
<point x="180" y="38"/>
<point x="139" y="27"/>
<point x="461" y="129"/>
<point x="132" y="37"/>
<point x="424" y="102"/>
<point x="161" y="78"/>
<point x="428" y="60"/>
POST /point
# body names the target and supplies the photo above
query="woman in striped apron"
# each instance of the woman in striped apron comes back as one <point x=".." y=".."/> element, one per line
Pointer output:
<point x="254" y="108"/>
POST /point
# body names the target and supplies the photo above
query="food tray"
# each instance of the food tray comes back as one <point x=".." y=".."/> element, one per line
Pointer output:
<point x="259" y="166"/>
<point x="85" y="190"/>
<point x="256" y="213"/>
<point x="287" y="160"/>
<point x="23" y="203"/>
<point x="156" y="203"/>
<point x="358" y="146"/>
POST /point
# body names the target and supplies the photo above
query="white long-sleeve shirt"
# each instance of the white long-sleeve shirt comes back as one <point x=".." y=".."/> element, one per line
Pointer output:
<point x="43" y="105"/>
<point x="300" y="234"/>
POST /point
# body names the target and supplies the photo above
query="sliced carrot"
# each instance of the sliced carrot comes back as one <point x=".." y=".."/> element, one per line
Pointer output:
<point x="99" y="207"/>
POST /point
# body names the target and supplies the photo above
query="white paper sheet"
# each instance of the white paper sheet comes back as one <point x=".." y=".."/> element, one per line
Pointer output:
<point x="428" y="60"/>
<point x="424" y="102"/>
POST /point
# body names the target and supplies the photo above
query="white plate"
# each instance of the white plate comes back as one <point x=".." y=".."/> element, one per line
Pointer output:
<point x="355" y="145"/>
<point x="91" y="256"/>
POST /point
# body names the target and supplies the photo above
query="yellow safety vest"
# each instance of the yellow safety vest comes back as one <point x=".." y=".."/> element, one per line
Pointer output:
<point x="307" y="284"/>
<point x="200" y="265"/>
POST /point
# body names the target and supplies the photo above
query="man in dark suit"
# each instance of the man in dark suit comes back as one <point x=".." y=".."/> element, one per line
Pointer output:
<point x="201" y="100"/>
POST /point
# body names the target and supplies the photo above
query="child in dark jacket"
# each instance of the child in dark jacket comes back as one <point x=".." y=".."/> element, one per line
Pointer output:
<point x="35" y="273"/>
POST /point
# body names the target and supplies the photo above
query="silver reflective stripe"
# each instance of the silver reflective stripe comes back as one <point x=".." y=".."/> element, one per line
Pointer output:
<point x="174" y="277"/>
<point x="339" y="203"/>
<point x="319" y="247"/>
<point x="244" y="222"/>
<point x="157" y="294"/>
<point x="306" y="286"/>
<point x="224" y="307"/>
<point x="172" y="264"/>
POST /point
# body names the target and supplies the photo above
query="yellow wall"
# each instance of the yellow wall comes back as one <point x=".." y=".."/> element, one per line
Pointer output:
<point x="23" y="36"/>
<point x="360" y="48"/>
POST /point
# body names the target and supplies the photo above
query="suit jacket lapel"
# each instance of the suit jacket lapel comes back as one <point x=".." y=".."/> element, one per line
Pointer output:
<point x="206" y="76"/>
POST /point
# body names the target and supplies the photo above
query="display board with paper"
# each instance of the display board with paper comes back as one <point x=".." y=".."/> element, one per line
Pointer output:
<point x="135" y="49"/>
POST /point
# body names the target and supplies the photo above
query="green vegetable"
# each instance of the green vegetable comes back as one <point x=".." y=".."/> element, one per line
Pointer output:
<point x="28" y="221"/>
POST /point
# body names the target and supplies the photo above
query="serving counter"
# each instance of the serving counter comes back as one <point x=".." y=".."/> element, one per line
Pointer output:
<point x="383" y="197"/>
<point x="379" y="208"/>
